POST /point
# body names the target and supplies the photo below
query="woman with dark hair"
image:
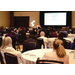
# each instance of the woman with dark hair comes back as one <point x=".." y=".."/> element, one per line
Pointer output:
<point x="54" y="33"/>
<point x="9" y="33"/>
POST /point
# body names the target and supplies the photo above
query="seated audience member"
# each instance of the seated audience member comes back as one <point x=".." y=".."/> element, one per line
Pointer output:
<point x="73" y="30"/>
<point x="58" y="52"/>
<point x="32" y="38"/>
<point x="54" y="33"/>
<point x="12" y="31"/>
<point x="48" y="28"/>
<point x="65" y="33"/>
<point x="22" y="35"/>
<point x="18" y="30"/>
<point x="7" y="27"/>
<point x="9" y="33"/>
<point x="13" y="37"/>
<point x="48" y="32"/>
<point x="38" y="32"/>
<point x="42" y="35"/>
<point x="61" y="35"/>
<point x="2" y="30"/>
<point x="67" y="29"/>
<point x="7" y="47"/>
<point x="38" y="26"/>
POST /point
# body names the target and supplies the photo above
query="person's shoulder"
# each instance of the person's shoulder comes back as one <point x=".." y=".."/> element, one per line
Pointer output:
<point x="10" y="48"/>
<point x="67" y="56"/>
<point x="60" y="31"/>
<point x="29" y="39"/>
<point x="50" y="53"/>
<point x="26" y="40"/>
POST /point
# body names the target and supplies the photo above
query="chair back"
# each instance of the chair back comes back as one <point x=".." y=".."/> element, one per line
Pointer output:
<point x="29" y="46"/>
<point x="1" y="59"/>
<point x="0" y="34"/>
<point x="74" y="43"/>
<point x="22" y="37"/>
<point x="13" y="41"/>
<point x="68" y="44"/>
<point x="40" y="41"/>
<point x="64" y="35"/>
<point x="0" y="41"/>
<point x="10" y="58"/>
<point x="72" y="46"/>
<point x="48" y="62"/>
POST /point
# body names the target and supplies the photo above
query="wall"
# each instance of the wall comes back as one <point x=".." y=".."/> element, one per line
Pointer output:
<point x="33" y="15"/>
<point x="4" y="18"/>
<point x="73" y="19"/>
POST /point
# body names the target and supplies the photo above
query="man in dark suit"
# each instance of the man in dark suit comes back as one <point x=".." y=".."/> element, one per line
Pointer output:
<point x="30" y="43"/>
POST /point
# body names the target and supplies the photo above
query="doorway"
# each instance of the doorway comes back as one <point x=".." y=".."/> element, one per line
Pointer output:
<point x="21" y="21"/>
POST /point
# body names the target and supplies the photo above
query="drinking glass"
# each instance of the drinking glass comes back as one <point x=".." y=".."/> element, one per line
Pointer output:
<point x="21" y="48"/>
<point x="16" y="47"/>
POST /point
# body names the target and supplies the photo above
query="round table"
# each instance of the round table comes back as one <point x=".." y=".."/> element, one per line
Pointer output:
<point x="30" y="57"/>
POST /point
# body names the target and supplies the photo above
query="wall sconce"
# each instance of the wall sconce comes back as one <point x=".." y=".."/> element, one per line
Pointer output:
<point x="33" y="22"/>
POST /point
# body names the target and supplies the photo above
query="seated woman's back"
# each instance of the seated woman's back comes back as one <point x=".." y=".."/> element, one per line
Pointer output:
<point x="7" y="47"/>
<point x="53" y="56"/>
<point x="58" y="52"/>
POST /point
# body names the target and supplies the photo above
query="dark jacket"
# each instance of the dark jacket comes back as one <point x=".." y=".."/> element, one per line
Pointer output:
<point x="22" y="36"/>
<point x="30" y="44"/>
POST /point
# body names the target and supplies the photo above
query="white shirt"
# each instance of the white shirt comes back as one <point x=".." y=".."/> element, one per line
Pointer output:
<point x="13" y="51"/>
<point x="45" y="40"/>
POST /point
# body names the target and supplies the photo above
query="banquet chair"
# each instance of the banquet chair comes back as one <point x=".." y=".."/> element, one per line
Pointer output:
<point x="20" y="39"/>
<point x="1" y="59"/>
<point x="40" y="42"/>
<point x="10" y="58"/>
<point x="0" y="34"/>
<point x="72" y="46"/>
<point x="49" y="62"/>
<point x="13" y="41"/>
<point x="29" y="46"/>
<point x="0" y="41"/>
<point x="68" y="44"/>
<point x="64" y="34"/>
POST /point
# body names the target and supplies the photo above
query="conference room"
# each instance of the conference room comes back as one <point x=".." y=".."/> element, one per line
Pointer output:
<point x="26" y="36"/>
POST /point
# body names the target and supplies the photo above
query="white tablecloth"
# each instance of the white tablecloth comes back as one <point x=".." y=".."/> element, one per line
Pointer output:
<point x="71" y="36"/>
<point x="31" y="56"/>
<point x="50" y="41"/>
<point x="70" y="39"/>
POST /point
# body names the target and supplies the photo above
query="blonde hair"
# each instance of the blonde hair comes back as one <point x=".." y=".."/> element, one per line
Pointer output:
<point x="6" y="42"/>
<point x="58" y="46"/>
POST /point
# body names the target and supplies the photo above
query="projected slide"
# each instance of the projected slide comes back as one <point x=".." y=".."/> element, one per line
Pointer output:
<point x="55" y="18"/>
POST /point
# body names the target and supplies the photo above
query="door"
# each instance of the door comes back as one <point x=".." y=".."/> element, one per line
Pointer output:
<point x="21" y="21"/>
